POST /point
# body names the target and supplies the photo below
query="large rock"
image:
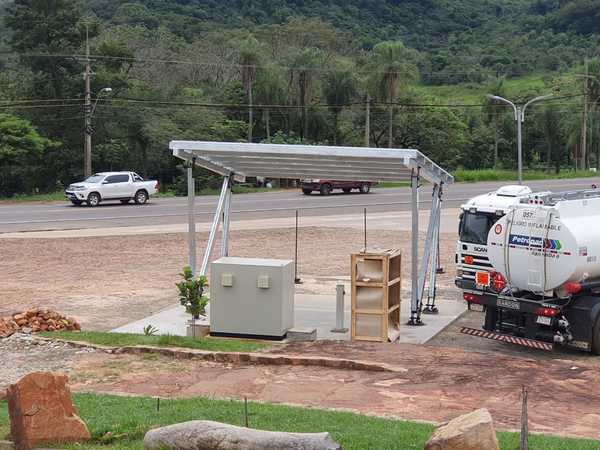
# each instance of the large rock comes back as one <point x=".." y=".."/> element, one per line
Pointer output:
<point x="41" y="411"/>
<point x="205" y="434"/>
<point x="473" y="431"/>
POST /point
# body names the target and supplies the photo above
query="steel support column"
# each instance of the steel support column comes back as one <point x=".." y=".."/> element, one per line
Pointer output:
<point x="427" y="251"/>
<point x="215" y="226"/>
<point x="415" y="312"/>
<point x="226" y="212"/>
<point x="191" y="196"/>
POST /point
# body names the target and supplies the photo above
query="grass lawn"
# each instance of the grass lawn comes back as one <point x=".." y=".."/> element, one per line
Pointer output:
<point x="51" y="197"/>
<point x="474" y="93"/>
<point x="128" y="418"/>
<point x="126" y="339"/>
<point x="473" y="176"/>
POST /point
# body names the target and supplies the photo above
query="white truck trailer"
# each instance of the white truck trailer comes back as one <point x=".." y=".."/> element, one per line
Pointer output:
<point x="544" y="285"/>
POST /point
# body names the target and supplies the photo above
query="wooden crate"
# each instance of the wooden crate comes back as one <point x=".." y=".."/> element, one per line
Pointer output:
<point x="376" y="286"/>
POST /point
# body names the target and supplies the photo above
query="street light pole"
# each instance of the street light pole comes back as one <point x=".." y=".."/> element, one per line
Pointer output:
<point x="519" y="118"/>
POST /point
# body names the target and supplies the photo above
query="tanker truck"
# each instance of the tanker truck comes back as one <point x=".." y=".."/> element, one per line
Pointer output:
<point x="476" y="218"/>
<point x="543" y="287"/>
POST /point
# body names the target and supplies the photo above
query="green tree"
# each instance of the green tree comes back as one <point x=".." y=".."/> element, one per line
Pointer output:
<point x="48" y="27"/>
<point x="393" y="66"/>
<point x="339" y="88"/>
<point x="270" y="90"/>
<point x="552" y="135"/>
<point x="593" y="97"/>
<point x="493" y="112"/>
<point x="249" y="60"/>
<point x="304" y="65"/>
<point x="22" y="152"/>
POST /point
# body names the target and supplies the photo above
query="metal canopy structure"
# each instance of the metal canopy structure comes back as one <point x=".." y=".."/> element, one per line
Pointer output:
<point x="236" y="161"/>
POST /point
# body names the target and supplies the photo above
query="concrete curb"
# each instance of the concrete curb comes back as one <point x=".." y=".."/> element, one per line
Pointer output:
<point x="241" y="358"/>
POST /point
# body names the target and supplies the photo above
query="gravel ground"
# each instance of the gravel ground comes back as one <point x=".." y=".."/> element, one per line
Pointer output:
<point x="25" y="353"/>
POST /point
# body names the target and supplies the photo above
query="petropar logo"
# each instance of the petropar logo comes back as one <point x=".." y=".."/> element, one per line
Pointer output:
<point x="498" y="228"/>
<point x="535" y="242"/>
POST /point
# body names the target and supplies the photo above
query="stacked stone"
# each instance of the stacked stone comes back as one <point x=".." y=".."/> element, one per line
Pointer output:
<point x="36" y="319"/>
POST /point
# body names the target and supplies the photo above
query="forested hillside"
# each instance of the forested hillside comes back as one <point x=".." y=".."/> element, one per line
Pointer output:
<point x="294" y="71"/>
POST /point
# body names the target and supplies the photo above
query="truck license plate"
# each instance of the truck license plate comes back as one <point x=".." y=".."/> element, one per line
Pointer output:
<point x="543" y="320"/>
<point x="509" y="304"/>
<point x="475" y="307"/>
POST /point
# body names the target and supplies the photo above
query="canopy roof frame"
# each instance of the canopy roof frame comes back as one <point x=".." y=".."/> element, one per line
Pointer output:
<point x="235" y="161"/>
<point x="242" y="160"/>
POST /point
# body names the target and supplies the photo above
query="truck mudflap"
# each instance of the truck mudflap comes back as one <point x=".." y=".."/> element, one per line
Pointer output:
<point x="525" y="342"/>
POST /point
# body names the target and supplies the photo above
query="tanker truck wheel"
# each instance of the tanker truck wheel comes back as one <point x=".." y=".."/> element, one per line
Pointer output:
<point x="596" y="338"/>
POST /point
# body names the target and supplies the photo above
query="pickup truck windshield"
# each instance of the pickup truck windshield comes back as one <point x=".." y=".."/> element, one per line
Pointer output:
<point x="94" y="179"/>
<point x="474" y="227"/>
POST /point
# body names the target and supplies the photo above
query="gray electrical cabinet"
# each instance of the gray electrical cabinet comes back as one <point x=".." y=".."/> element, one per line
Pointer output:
<point x="251" y="297"/>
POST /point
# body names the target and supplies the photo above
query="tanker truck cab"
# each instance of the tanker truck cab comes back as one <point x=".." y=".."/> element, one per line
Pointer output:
<point x="544" y="287"/>
<point x="477" y="217"/>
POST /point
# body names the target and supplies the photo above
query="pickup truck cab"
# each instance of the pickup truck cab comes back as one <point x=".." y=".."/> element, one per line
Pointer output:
<point x="326" y="186"/>
<point x="123" y="186"/>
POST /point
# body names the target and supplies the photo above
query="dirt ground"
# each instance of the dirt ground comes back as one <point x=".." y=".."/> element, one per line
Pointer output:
<point x="106" y="282"/>
<point x="439" y="384"/>
<point x="109" y="281"/>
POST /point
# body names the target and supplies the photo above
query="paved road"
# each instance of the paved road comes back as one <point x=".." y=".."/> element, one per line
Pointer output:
<point x="63" y="216"/>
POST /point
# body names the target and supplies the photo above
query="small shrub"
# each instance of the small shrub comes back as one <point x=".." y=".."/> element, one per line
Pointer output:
<point x="150" y="330"/>
<point x="191" y="292"/>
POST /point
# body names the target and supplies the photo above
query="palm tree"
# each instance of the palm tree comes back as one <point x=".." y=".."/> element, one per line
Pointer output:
<point x="339" y="89"/>
<point x="593" y="96"/>
<point x="303" y="72"/>
<point x="249" y="59"/>
<point x="492" y="112"/>
<point x="552" y="135"/>
<point x="393" y="66"/>
<point x="270" y="90"/>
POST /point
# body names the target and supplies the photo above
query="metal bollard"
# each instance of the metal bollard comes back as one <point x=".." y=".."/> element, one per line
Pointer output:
<point x="339" y="309"/>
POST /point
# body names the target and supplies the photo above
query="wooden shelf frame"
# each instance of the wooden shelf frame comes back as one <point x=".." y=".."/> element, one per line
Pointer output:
<point x="383" y="284"/>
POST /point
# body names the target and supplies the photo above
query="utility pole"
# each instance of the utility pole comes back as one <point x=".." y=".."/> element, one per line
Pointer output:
<point x="368" y="122"/>
<point x="87" y="132"/>
<point x="584" y="118"/>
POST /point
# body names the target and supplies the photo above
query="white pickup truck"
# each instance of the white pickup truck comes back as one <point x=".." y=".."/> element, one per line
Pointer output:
<point x="123" y="186"/>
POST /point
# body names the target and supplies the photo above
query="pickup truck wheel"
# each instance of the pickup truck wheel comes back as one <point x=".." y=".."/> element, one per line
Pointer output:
<point x="93" y="199"/>
<point x="346" y="190"/>
<point x="306" y="191"/>
<point x="325" y="189"/>
<point x="125" y="201"/>
<point x="596" y="338"/>
<point x="365" y="188"/>
<point x="141" y="197"/>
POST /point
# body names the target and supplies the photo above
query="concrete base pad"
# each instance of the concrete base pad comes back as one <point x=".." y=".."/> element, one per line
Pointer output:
<point x="315" y="311"/>
<point x="298" y="334"/>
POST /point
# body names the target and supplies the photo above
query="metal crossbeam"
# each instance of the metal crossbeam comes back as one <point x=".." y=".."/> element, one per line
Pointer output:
<point x="225" y="188"/>
<point x="430" y="240"/>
